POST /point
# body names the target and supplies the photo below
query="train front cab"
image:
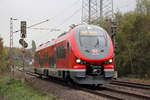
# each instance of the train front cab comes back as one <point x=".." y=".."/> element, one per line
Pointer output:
<point x="94" y="55"/>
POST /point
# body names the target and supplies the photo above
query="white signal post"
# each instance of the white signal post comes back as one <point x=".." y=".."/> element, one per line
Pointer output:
<point x="11" y="49"/>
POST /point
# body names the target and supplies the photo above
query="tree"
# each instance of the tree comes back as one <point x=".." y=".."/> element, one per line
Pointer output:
<point x="33" y="46"/>
<point x="3" y="62"/>
<point x="133" y="44"/>
<point x="143" y="6"/>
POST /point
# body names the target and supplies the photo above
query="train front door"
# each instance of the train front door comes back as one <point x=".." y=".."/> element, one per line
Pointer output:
<point x="68" y="54"/>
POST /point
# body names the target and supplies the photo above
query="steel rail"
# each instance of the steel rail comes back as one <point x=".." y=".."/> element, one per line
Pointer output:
<point x="102" y="94"/>
<point x="128" y="93"/>
<point x="131" y="84"/>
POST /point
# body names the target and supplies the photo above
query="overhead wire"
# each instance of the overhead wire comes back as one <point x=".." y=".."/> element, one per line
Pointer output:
<point x="52" y="18"/>
<point x="33" y="25"/>
<point x="62" y="11"/>
<point x="68" y="18"/>
<point x="65" y="20"/>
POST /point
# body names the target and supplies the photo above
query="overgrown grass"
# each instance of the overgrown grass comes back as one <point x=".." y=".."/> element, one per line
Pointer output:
<point x="19" y="91"/>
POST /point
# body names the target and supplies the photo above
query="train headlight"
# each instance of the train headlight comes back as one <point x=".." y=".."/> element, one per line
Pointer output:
<point x="78" y="61"/>
<point x="110" y="60"/>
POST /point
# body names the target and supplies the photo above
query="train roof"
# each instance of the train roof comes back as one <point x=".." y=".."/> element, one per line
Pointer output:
<point x="50" y="43"/>
<point x="63" y="37"/>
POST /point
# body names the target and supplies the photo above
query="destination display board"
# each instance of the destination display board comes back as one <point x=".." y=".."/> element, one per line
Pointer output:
<point x="88" y="33"/>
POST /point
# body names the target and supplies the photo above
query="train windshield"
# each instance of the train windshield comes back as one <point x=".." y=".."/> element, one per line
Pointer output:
<point x="92" y="39"/>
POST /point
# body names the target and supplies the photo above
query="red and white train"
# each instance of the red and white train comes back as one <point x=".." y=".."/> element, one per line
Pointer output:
<point x="84" y="55"/>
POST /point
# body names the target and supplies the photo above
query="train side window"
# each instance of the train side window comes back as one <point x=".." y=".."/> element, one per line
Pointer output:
<point x="63" y="51"/>
<point x="57" y="52"/>
<point x="38" y="57"/>
<point x="40" y="60"/>
<point x="51" y="61"/>
<point x="46" y="56"/>
<point x="60" y="52"/>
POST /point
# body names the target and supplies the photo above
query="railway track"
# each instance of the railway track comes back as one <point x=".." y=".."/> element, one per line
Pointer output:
<point x="80" y="88"/>
<point x="130" y="94"/>
<point x="100" y="93"/>
<point x="103" y="91"/>
<point x="131" y="84"/>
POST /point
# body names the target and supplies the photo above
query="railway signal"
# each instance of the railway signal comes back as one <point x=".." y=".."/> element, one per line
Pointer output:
<point x="23" y="29"/>
<point x="23" y="43"/>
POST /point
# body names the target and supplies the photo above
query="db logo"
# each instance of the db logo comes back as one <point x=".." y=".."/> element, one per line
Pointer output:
<point x="94" y="50"/>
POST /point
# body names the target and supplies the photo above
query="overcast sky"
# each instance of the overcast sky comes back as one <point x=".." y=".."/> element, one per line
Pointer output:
<point x="34" y="11"/>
